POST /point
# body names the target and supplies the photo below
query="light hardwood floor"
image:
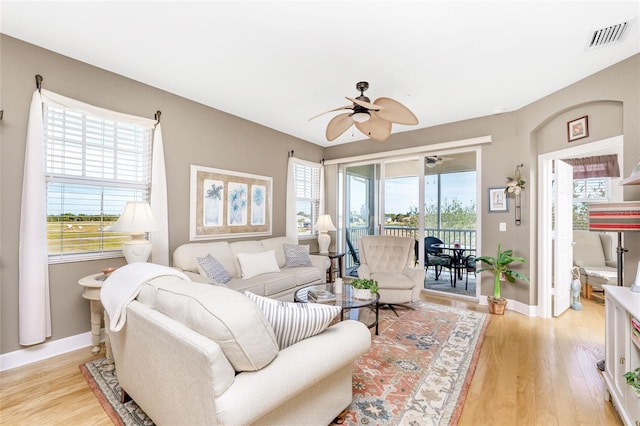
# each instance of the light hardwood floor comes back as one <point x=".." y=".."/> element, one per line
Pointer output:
<point x="531" y="371"/>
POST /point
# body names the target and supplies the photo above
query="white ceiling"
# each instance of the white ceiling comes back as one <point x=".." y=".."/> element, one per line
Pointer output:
<point x="280" y="63"/>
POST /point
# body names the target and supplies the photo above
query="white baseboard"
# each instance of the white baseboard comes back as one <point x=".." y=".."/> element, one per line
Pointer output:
<point x="45" y="350"/>
<point x="514" y="305"/>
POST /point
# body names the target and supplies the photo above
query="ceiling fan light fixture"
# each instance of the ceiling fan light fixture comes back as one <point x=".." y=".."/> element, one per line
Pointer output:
<point x="361" y="117"/>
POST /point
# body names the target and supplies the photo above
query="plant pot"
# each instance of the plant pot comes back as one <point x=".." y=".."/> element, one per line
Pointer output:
<point x="497" y="306"/>
<point x="362" y="294"/>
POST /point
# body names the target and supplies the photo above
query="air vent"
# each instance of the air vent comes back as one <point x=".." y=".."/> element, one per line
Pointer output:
<point x="607" y="36"/>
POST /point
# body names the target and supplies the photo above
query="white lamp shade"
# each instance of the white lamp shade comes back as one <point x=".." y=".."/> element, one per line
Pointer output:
<point x="324" y="223"/>
<point x="136" y="218"/>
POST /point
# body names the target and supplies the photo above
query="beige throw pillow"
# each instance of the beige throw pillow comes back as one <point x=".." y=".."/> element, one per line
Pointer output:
<point x="254" y="264"/>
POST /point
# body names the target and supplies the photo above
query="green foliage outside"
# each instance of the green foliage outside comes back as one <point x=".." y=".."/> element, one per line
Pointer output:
<point x="70" y="233"/>
<point x="453" y="215"/>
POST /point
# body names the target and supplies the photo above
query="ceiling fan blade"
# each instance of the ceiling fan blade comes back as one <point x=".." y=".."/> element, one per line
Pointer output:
<point x="367" y="105"/>
<point x="395" y="112"/>
<point x="332" y="110"/>
<point x="375" y="128"/>
<point x="338" y="125"/>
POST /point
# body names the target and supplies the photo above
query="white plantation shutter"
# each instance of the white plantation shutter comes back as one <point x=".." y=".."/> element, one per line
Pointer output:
<point x="591" y="189"/>
<point x="307" y="192"/>
<point x="93" y="167"/>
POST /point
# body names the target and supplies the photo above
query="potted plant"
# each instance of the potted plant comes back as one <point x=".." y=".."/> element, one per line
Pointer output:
<point x="633" y="380"/>
<point x="500" y="267"/>
<point x="364" y="288"/>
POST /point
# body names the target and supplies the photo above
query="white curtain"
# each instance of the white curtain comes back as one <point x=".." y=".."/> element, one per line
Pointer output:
<point x="291" y="226"/>
<point x="33" y="267"/>
<point x="33" y="301"/>
<point x="159" y="206"/>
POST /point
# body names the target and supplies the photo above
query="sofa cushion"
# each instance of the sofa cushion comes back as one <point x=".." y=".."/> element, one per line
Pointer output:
<point x="293" y="322"/>
<point x="225" y="316"/>
<point x="185" y="256"/>
<point x="254" y="264"/>
<point x="296" y="255"/>
<point x="276" y="244"/>
<point x="210" y="267"/>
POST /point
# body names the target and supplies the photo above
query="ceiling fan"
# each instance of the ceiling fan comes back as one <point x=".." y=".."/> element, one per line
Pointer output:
<point x="372" y="119"/>
<point x="435" y="160"/>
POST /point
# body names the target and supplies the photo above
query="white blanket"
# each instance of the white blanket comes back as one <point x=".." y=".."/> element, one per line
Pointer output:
<point x="124" y="284"/>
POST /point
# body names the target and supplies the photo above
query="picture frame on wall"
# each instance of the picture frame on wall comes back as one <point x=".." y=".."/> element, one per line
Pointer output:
<point x="578" y="128"/>
<point x="229" y="204"/>
<point x="498" y="200"/>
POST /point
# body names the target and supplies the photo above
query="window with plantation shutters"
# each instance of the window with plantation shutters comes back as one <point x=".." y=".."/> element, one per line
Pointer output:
<point x="93" y="167"/>
<point x="591" y="189"/>
<point x="307" y="186"/>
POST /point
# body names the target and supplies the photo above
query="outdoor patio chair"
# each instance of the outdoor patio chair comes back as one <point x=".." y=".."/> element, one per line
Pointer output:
<point x="436" y="258"/>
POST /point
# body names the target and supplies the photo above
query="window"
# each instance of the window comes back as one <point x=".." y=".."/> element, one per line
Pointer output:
<point x="307" y="187"/>
<point x="586" y="191"/>
<point x="93" y="167"/>
<point x="591" y="189"/>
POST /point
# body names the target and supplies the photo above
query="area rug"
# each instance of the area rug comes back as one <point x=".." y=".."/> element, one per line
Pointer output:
<point x="417" y="371"/>
<point x="419" y="368"/>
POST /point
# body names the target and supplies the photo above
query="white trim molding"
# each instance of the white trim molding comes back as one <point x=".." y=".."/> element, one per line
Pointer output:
<point x="47" y="350"/>
<point x="516" y="306"/>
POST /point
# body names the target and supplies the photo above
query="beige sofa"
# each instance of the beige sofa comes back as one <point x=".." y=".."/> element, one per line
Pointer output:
<point x="277" y="285"/>
<point x="593" y="254"/>
<point x="199" y="354"/>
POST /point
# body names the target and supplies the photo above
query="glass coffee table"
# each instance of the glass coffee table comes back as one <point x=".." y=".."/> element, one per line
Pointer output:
<point x="344" y="300"/>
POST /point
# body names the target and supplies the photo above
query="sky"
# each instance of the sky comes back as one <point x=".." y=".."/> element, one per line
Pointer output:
<point x="402" y="193"/>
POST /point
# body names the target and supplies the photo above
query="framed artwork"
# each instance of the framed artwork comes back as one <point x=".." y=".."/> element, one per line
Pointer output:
<point x="227" y="204"/>
<point x="578" y="128"/>
<point x="498" y="200"/>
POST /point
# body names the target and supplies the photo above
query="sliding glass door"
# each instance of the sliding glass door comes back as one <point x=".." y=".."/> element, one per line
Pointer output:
<point x="410" y="197"/>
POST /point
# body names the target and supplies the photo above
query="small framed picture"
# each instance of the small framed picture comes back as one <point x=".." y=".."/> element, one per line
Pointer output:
<point x="498" y="200"/>
<point x="578" y="128"/>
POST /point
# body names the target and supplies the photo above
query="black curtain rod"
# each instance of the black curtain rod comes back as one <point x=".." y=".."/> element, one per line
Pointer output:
<point x="157" y="116"/>
<point x="39" y="82"/>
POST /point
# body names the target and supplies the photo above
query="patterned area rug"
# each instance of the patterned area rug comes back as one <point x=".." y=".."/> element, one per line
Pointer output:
<point x="417" y="371"/>
<point x="103" y="381"/>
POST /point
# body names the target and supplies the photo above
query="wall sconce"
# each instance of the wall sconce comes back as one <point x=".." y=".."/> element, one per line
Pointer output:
<point x="515" y="186"/>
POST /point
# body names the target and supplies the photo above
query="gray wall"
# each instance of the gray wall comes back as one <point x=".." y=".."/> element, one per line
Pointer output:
<point x="195" y="134"/>
<point x="611" y="99"/>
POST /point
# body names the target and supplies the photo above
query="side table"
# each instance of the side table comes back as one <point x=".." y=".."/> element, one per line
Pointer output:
<point x="92" y="285"/>
<point x="331" y="272"/>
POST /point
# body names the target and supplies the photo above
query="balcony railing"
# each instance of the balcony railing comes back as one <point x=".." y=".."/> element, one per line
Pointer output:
<point x="466" y="237"/>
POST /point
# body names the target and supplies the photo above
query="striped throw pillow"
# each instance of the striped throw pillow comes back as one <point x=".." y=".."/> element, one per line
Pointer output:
<point x="293" y="322"/>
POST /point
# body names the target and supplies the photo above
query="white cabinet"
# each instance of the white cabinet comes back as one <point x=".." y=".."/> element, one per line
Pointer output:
<point x="622" y="354"/>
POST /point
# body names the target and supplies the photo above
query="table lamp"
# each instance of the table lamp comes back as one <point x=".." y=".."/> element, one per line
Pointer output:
<point x="324" y="225"/>
<point x="136" y="220"/>
<point x="616" y="217"/>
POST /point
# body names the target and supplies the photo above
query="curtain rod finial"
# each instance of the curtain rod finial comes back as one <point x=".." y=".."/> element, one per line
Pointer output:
<point x="157" y="115"/>
<point x="39" y="81"/>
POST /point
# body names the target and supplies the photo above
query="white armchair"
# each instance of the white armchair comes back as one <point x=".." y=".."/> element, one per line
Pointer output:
<point x="388" y="260"/>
